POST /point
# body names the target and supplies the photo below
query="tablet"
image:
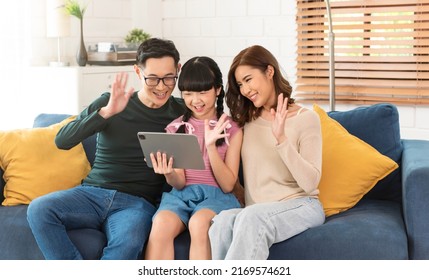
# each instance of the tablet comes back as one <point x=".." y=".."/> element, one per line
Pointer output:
<point x="184" y="148"/>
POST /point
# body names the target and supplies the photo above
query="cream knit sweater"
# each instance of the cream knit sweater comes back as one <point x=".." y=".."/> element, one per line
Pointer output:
<point x="278" y="172"/>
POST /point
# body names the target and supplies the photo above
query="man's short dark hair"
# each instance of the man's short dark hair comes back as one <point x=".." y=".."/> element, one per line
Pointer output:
<point x="156" y="48"/>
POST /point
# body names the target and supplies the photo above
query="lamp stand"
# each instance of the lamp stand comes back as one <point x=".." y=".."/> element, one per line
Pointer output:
<point x="331" y="38"/>
<point x="58" y="63"/>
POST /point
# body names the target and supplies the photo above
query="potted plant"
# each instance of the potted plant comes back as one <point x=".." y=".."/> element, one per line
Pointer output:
<point x="74" y="8"/>
<point x="135" y="37"/>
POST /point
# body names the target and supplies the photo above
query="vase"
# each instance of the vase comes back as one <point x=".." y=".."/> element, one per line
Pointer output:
<point x="82" y="55"/>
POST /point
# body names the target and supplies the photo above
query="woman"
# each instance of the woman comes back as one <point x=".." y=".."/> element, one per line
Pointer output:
<point x="281" y="155"/>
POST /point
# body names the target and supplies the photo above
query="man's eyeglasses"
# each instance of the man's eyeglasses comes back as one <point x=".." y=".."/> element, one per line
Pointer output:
<point x="154" y="81"/>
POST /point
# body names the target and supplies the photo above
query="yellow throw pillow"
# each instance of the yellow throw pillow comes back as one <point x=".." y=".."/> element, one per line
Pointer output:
<point x="34" y="166"/>
<point x="350" y="167"/>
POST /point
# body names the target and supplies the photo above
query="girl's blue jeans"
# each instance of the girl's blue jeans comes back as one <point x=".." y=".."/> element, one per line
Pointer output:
<point x="125" y="219"/>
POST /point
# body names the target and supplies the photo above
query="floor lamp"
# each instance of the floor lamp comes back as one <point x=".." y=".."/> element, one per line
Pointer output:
<point x="331" y="38"/>
<point x="57" y="26"/>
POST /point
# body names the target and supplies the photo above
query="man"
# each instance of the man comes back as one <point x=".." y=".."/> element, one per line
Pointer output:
<point x="119" y="194"/>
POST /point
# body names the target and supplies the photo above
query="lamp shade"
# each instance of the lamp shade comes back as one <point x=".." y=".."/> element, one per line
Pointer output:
<point x="57" y="20"/>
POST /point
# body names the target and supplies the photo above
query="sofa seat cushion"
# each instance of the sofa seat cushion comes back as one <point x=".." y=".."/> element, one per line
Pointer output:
<point x="89" y="242"/>
<point x="181" y="246"/>
<point x="18" y="243"/>
<point x="16" y="239"/>
<point x="373" y="229"/>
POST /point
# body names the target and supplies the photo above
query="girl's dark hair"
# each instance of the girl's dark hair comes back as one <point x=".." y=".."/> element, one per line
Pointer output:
<point x="156" y="48"/>
<point x="242" y="109"/>
<point x="198" y="74"/>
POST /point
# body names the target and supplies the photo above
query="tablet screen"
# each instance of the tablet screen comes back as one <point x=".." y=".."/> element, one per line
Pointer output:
<point x="184" y="148"/>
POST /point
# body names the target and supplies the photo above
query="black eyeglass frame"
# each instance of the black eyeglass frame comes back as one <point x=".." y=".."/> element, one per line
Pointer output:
<point x="160" y="79"/>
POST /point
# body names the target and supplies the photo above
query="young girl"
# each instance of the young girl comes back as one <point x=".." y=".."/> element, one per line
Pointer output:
<point x="197" y="195"/>
<point x="282" y="161"/>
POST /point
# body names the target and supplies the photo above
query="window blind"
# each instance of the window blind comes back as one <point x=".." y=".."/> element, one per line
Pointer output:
<point x="381" y="51"/>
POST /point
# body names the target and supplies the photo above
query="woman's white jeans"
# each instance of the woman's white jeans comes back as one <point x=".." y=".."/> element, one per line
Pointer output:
<point x="248" y="233"/>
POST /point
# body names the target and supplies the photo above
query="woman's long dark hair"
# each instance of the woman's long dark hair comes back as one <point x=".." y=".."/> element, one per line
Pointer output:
<point x="198" y="74"/>
<point x="242" y="109"/>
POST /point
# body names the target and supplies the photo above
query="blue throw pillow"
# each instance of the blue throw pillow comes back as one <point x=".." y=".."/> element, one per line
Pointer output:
<point x="377" y="125"/>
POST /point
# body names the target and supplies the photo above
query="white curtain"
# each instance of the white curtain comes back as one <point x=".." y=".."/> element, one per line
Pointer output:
<point x="15" y="54"/>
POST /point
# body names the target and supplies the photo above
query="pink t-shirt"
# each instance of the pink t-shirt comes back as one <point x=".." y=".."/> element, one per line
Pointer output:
<point x="206" y="176"/>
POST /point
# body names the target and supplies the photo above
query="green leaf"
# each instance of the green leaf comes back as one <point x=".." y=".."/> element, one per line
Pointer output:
<point x="74" y="8"/>
<point x="137" y="35"/>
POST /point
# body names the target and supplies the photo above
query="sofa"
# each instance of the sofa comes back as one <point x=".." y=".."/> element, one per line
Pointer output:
<point x="390" y="221"/>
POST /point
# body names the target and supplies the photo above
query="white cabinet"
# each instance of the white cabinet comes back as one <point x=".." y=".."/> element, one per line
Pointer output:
<point x="69" y="90"/>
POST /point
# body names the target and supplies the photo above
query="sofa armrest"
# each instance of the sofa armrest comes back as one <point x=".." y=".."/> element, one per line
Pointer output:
<point x="415" y="196"/>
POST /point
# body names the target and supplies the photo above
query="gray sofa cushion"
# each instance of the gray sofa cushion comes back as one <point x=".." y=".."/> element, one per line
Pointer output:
<point x="16" y="239"/>
<point x="373" y="229"/>
<point x="18" y="243"/>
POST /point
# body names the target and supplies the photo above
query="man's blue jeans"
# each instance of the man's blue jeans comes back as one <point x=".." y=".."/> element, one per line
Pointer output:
<point x="125" y="219"/>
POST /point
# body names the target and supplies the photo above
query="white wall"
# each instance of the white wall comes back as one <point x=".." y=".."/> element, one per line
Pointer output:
<point x="221" y="28"/>
<point x="216" y="28"/>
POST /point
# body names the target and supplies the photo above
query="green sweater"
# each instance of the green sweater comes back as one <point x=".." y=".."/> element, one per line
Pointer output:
<point x="119" y="163"/>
